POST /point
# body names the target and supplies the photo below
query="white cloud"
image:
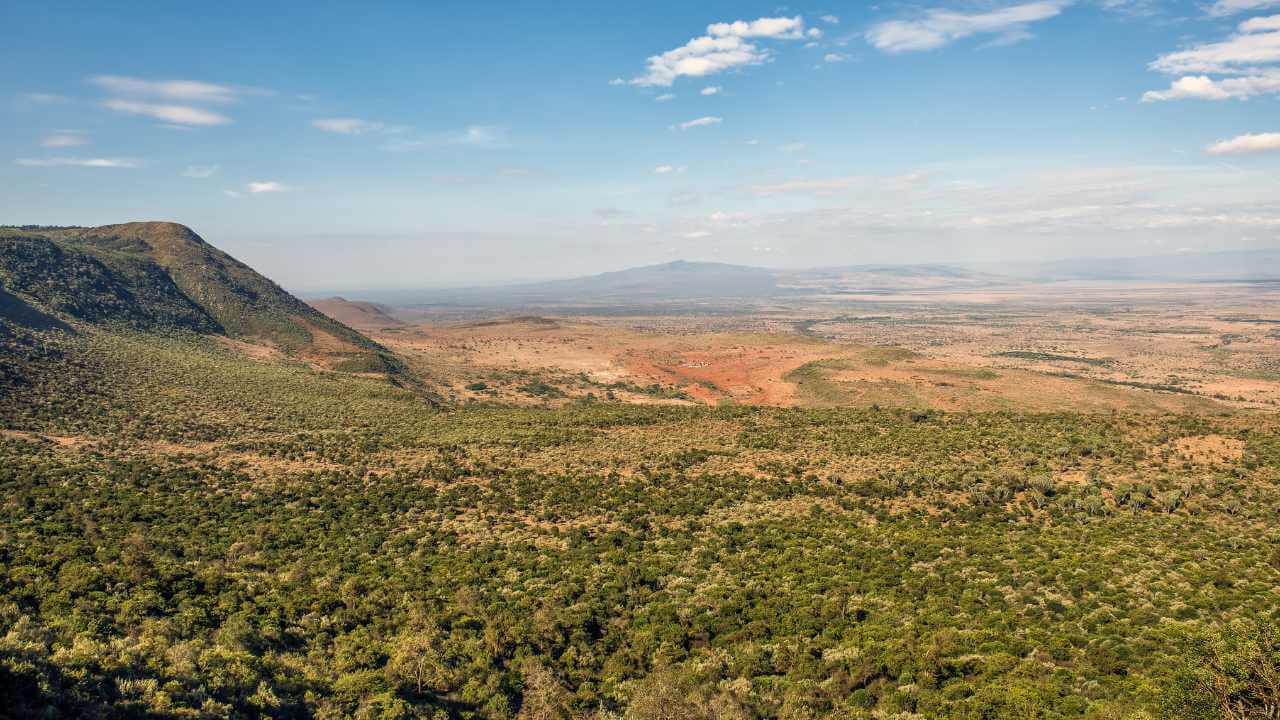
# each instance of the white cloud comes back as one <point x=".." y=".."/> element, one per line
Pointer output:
<point x="725" y="46"/>
<point x="939" y="27"/>
<point x="710" y="90"/>
<point x="830" y="19"/>
<point x="188" y="90"/>
<point x="78" y="162"/>
<point x="669" y="169"/>
<point x="1261" y="24"/>
<point x="1203" y="87"/>
<point x="1231" y="7"/>
<point x="617" y="81"/>
<point x="485" y="136"/>
<point x="67" y="138"/>
<point x="265" y="186"/>
<point x="1245" y="144"/>
<point x="200" y="171"/>
<point x="180" y="114"/>
<point x="1256" y="42"/>
<point x="834" y="58"/>
<point x="665" y="97"/>
<point x="346" y="125"/>
<point x="780" y="27"/>
<point x="231" y="193"/>
<point x="1246" y="59"/>
<point x="700" y="122"/>
<point x="697" y="234"/>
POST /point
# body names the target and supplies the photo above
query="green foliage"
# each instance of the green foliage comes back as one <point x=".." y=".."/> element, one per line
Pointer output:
<point x="1233" y="674"/>
<point x="1051" y="357"/>
<point x="184" y="533"/>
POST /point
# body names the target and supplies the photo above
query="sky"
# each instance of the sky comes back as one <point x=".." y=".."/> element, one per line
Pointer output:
<point x="347" y="146"/>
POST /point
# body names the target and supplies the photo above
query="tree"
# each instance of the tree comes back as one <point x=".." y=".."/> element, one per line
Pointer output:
<point x="1233" y="674"/>
<point x="416" y="658"/>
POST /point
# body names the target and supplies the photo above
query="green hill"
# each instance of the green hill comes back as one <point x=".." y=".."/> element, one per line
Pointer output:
<point x="162" y="277"/>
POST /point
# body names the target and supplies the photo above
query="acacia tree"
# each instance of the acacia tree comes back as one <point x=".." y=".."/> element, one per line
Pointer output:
<point x="1234" y="674"/>
<point x="416" y="658"/>
<point x="544" y="697"/>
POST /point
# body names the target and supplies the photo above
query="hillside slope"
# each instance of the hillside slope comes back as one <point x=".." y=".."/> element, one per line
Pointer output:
<point x="162" y="277"/>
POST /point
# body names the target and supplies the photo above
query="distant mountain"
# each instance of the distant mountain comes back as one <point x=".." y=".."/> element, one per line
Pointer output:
<point x="162" y="277"/>
<point x="358" y="314"/>
<point x="673" y="281"/>
<point x="684" y="282"/>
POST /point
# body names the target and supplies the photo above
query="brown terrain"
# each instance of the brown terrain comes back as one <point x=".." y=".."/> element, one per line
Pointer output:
<point x="357" y="314"/>
<point x="1090" y="346"/>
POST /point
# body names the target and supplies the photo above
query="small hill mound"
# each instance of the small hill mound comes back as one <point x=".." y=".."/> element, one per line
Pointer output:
<point x="358" y="314"/>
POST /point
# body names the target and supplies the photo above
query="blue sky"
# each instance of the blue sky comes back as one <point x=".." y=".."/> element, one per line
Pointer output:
<point x="402" y="145"/>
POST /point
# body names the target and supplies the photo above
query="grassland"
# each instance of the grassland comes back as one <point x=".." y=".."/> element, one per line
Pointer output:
<point x="186" y="532"/>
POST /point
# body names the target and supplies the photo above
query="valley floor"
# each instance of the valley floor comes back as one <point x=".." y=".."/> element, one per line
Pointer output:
<point x="1204" y="348"/>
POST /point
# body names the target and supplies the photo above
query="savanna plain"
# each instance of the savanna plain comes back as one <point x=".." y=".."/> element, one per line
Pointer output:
<point x="878" y="494"/>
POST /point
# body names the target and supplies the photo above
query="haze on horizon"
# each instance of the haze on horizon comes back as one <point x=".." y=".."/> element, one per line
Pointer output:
<point x="407" y="146"/>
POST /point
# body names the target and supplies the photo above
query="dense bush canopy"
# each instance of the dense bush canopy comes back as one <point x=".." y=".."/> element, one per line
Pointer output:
<point x="184" y="533"/>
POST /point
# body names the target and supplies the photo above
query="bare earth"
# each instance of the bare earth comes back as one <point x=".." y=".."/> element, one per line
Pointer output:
<point x="1079" y="346"/>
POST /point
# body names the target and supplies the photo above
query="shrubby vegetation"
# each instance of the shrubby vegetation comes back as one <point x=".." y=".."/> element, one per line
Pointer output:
<point x="184" y="533"/>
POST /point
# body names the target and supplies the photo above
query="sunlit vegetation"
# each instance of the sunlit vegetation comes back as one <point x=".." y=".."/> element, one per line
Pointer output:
<point x="185" y="533"/>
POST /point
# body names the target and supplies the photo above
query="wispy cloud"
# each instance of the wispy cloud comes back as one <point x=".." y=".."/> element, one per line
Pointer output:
<point x="187" y="90"/>
<point x="1256" y="41"/>
<point x="1232" y="7"/>
<point x="200" y="171"/>
<point x="725" y="46"/>
<point x="794" y="147"/>
<point x="1246" y="144"/>
<point x="830" y="19"/>
<point x="665" y="97"/>
<point x="78" y="162"/>
<point x="834" y="58"/>
<point x="346" y="125"/>
<point x="669" y="169"/>
<point x="64" y="138"/>
<point x="265" y="186"/>
<point x="710" y="90"/>
<point x="1245" y="60"/>
<point x="939" y="27"/>
<point x="178" y="114"/>
<point x="700" y="122"/>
